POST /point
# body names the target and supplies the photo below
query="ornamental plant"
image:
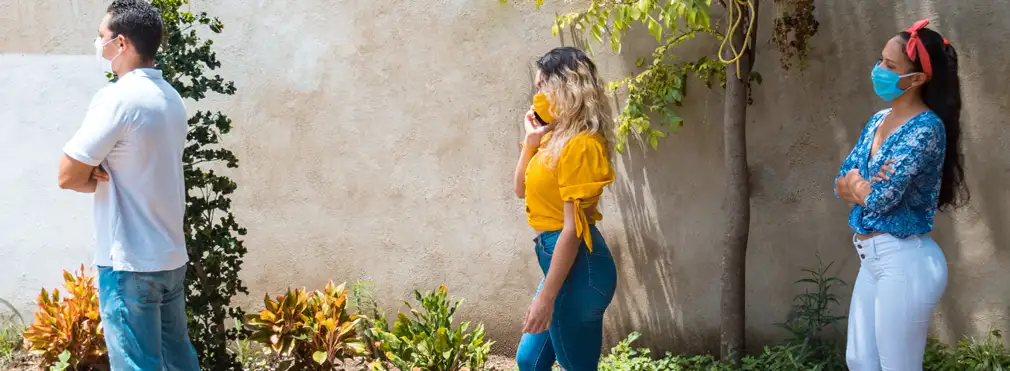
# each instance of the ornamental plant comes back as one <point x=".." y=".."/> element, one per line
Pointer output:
<point x="307" y="330"/>
<point x="70" y="325"/>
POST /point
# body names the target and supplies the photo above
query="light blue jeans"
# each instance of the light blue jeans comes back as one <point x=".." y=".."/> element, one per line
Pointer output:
<point x="898" y="286"/>
<point x="576" y="333"/>
<point x="144" y="319"/>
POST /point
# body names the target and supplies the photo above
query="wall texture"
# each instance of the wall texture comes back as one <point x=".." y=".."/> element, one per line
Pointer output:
<point x="377" y="141"/>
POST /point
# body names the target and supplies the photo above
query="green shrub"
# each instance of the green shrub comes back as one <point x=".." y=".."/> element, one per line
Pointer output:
<point x="971" y="354"/>
<point x="811" y="314"/>
<point x="797" y="357"/>
<point x="624" y="357"/>
<point x="11" y="327"/>
<point x="428" y="342"/>
<point x="373" y="320"/>
<point x="811" y="311"/>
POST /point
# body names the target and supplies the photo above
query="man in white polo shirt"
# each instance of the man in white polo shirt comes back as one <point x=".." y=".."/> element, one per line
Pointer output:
<point x="128" y="152"/>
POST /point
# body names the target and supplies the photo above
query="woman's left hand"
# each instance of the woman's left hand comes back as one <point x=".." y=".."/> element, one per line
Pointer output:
<point x="538" y="317"/>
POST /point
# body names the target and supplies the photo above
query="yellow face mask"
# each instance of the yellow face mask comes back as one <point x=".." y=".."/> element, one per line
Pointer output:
<point x="542" y="109"/>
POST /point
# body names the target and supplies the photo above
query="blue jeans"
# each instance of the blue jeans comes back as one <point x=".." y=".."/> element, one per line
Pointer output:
<point x="144" y="319"/>
<point x="575" y="338"/>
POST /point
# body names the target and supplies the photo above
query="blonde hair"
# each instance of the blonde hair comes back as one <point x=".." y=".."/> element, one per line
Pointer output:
<point x="578" y="103"/>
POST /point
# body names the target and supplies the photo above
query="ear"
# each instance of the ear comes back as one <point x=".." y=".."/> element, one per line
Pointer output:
<point x="121" y="42"/>
<point x="916" y="80"/>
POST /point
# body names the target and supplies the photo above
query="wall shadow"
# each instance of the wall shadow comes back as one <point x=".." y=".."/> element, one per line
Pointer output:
<point x="804" y="122"/>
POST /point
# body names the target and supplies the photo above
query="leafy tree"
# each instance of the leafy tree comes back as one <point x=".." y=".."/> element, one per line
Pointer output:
<point x="656" y="92"/>
<point x="212" y="234"/>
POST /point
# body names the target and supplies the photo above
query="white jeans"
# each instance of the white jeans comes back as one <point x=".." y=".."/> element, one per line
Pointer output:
<point x="899" y="283"/>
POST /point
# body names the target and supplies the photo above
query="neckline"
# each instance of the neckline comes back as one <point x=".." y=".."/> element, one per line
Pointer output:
<point x="871" y="155"/>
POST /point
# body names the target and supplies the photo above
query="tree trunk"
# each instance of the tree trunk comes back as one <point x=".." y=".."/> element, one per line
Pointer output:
<point x="736" y="204"/>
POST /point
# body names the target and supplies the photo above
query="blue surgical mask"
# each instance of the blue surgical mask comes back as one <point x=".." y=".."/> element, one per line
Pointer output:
<point x="885" y="83"/>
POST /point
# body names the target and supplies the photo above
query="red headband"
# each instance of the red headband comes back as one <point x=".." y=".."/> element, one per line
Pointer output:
<point x="914" y="48"/>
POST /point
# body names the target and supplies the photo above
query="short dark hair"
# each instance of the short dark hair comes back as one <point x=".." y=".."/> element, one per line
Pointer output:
<point x="138" y="21"/>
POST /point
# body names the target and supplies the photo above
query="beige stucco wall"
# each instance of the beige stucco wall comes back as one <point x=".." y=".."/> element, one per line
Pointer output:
<point x="377" y="141"/>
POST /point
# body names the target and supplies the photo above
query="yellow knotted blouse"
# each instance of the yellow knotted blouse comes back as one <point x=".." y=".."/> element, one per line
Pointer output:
<point x="579" y="176"/>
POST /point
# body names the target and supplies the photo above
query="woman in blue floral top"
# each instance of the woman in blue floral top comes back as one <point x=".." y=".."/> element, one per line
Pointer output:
<point x="905" y="166"/>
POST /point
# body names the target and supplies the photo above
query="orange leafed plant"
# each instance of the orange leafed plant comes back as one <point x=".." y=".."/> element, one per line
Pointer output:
<point x="71" y="323"/>
<point x="313" y="328"/>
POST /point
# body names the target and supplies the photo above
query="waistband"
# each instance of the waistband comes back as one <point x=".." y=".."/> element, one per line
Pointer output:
<point x="875" y="247"/>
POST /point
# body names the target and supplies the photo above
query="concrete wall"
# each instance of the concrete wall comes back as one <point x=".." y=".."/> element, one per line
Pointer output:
<point x="377" y="141"/>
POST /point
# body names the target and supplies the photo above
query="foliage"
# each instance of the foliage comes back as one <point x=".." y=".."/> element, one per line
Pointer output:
<point x="811" y="311"/>
<point x="795" y="25"/>
<point x="250" y="354"/>
<point x="427" y="342"/>
<point x="805" y="350"/>
<point x="970" y="355"/>
<point x="62" y="363"/>
<point x="11" y="340"/>
<point x="661" y="87"/>
<point x="373" y="320"/>
<point x="824" y="356"/>
<point x="70" y="324"/>
<point x="310" y="330"/>
<point x="212" y="234"/>
<point x="623" y="357"/>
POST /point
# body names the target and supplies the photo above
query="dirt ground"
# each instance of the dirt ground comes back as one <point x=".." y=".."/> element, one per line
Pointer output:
<point x="501" y="363"/>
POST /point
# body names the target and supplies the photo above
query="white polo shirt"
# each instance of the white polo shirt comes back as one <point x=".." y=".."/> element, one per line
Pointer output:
<point x="136" y="129"/>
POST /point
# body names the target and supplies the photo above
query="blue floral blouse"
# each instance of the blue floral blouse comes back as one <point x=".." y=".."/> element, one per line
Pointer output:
<point x="904" y="205"/>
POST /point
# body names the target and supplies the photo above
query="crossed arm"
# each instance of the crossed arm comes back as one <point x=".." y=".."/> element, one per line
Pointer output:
<point x="914" y="153"/>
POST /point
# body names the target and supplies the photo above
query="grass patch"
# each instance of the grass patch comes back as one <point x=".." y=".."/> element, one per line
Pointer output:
<point x="12" y="325"/>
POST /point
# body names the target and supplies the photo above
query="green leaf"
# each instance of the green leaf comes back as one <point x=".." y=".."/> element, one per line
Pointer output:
<point x="655" y="29"/>
<point x="635" y="12"/>
<point x="319" y="357"/>
<point x="654" y="142"/>
<point x="597" y="32"/>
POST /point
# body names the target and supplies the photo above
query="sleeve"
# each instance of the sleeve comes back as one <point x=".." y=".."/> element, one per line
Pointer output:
<point x="583" y="171"/>
<point x="853" y="159"/>
<point x="104" y="125"/>
<point x="918" y="150"/>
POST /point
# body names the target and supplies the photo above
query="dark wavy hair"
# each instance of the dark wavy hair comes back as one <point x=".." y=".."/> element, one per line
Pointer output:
<point x="942" y="94"/>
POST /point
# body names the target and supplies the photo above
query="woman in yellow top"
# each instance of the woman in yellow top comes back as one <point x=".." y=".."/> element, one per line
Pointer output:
<point x="561" y="173"/>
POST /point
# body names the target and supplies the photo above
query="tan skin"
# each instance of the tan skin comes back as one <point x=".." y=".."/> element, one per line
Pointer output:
<point x="538" y="316"/>
<point x="78" y="176"/>
<point x="853" y="187"/>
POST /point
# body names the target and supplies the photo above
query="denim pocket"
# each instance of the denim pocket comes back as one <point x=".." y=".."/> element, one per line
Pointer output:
<point x="602" y="273"/>
<point x="138" y="288"/>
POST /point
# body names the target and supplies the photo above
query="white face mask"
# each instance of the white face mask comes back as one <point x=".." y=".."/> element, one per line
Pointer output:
<point x="106" y="64"/>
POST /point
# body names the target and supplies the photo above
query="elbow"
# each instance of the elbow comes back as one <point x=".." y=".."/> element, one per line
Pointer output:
<point x="520" y="192"/>
<point x="65" y="182"/>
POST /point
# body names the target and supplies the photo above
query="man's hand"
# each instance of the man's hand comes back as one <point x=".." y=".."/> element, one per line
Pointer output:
<point x="99" y="174"/>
